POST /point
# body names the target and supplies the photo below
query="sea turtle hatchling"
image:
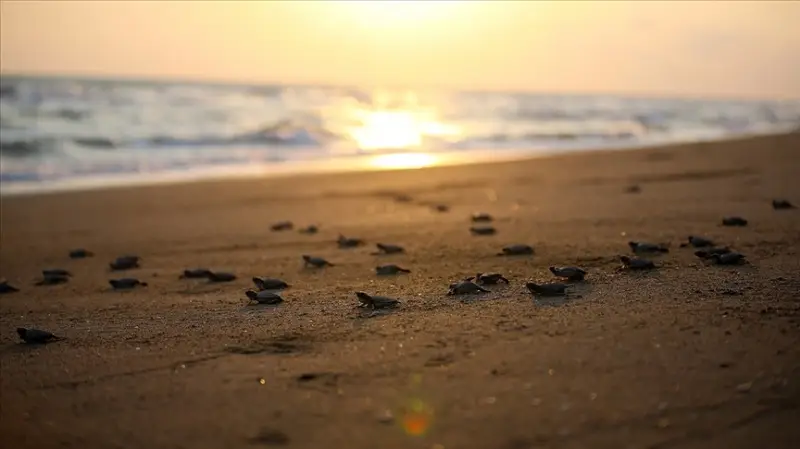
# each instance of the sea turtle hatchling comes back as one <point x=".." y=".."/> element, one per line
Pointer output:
<point x="220" y="276"/>
<point x="53" y="280"/>
<point x="310" y="229"/>
<point x="264" y="297"/>
<point x="730" y="258"/>
<point x="80" y="253"/>
<point x="482" y="230"/>
<point x="481" y="217"/>
<point x="636" y="263"/>
<point x="386" y="248"/>
<point x="551" y="289"/>
<point x="36" y="336"/>
<point x="708" y="253"/>
<point x="375" y="302"/>
<point x="466" y="288"/>
<point x="387" y="270"/>
<point x="124" y="263"/>
<point x="56" y="272"/>
<point x="570" y="273"/>
<point x="126" y="283"/>
<point x="488" y="278"/>
<point x="782" y="204"/>
<point x="282" y="226"/>
<point x="5" y="287"/>
<point x="734" y="221"/>
<point x="195" y="273"/>
<point x="644" y="247"/>
<point x="516" y="250"/>
<point x="317" y="262"/>
<point x="269" y="283"/>
<point x="348" y="242"/>
<point x="698" y="242"/>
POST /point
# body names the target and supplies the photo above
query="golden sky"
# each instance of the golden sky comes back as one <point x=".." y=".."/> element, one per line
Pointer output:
<point x="737" y="48"/>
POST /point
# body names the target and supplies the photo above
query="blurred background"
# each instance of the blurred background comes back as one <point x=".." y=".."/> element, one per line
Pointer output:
<point x="118" y="92"/>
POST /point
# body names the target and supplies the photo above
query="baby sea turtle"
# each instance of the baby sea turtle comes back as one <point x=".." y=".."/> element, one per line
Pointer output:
<point x="483" y="230"/>
<point x="196" y="273"/>
<point x="571" y="273"/>
<point x="487" y="278"/>
<point x="698" y="242"/>
<point x="376" y="302"/>
<point x="481" y="217"/>
<point x="269" y="283"/>
<point x="56" y="272"/>
<point x="782" y="204"/>
<point x="5" y="287"/>
<point x="516" y="250"/>
<point x="708" y="253"/>
<point x="387" y="270"/>
<point x="80" y="253"/>
<point x="386" y="248"/>
<point x="441" y="207"/>
<point x="552" y="289"/>
<point x="264" y="297"/>
<point x="126" y="283"/>
<point x="310" y="229"/>
<point x="634" y="188"/>
<point x="644" y="247"/>
<point x="317" y="262"/>
<point x="220" y="276"/>
<point x="36" y="336"/>
<point x="730" y="258"/>
<point x="466" y="288"/>
<point x="282" y="226"/>
<point x="53" y="280"/>
<point x="124" y="263"/>
<point x="734" y="221"/>
<point x="348" y="242"/>
<point x="635" y="263"/>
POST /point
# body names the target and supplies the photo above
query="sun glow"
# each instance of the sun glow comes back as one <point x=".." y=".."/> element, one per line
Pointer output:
<point x="400" y="13"/>
<point x="397" y="129"/>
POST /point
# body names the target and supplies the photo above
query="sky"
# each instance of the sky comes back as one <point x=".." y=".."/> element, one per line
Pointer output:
<point x="688" y="48"/>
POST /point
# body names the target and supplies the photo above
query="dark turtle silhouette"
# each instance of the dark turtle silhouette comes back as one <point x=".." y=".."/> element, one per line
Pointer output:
<point x="264" y="297"/>
<point x="386" y="248"/>
<point x="269" y="283"/>
<point x="317" y="262"/>
<point x="780" y="204"/>
<point x="634" y="188"/>
<point x="195" y="273"/>
<point x="730" y="258"/>
<point x="644" y="247"/>
<point x="487" y="278"/>
<point x="5" y="287"/>
<point x="282" y="226"/>
<point x="551" y="289"/>
<point x="36" y="336"/>
<point x="635" y="263"/>
<point x="441" y="207"/>
<point x="387" y="270"/>
<point x="481" y="217"/>
<point x="734" y="221"/>
<point x="698" y="242"/>
<point x="220" y="276"/>
<point x="483" y="230"/>
<point x="124" y="263"/>
<point x="56" y="272"/>
<point x="348" y="242"/>
<point x="516" y="250"/>
<point x="80" y="253"/>
<point x="375" y="302"/>
<point x="466" y="288"/>
<point x="310" y="229"/>
<point x="707" y="253"/>
<point x="126" y="283"/>
<point x="571" y="273"/>
<point x="53" y="280"/>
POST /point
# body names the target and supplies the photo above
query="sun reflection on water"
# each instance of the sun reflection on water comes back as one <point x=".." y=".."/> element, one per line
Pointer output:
<point x="403" y="161"/>
<point x="398" y="129"/>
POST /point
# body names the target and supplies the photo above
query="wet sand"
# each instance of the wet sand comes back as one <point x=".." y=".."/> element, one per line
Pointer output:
<point x="687" y="356"/>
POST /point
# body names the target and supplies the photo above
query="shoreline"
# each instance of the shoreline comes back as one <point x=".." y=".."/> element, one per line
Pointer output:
<point x="350" y="165"/>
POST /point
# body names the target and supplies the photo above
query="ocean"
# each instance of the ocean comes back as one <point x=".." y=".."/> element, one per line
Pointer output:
<point x="58" y="133"/>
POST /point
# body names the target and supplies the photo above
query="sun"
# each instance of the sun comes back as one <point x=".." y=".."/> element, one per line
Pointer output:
<point x="399" y="13"/>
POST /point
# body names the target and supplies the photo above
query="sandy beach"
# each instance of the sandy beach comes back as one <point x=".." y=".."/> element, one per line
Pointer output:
<point x="689" y="355"/>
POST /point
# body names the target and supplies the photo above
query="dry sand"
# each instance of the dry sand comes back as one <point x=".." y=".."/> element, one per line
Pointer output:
<point x="689" y="356"/>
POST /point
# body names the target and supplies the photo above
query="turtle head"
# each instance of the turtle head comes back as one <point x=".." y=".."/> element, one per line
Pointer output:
<point x="306" y="257"/>
<point x="251" y="295"/>
<point x="625" y="259"/>
<point x="701" y="254"/>
<point x="633" y="244"/>
<point x="21" y="331"/>
<point x="553" y="270"/>
<point x="532" y="286"/>
<point x="364" y="298"/>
